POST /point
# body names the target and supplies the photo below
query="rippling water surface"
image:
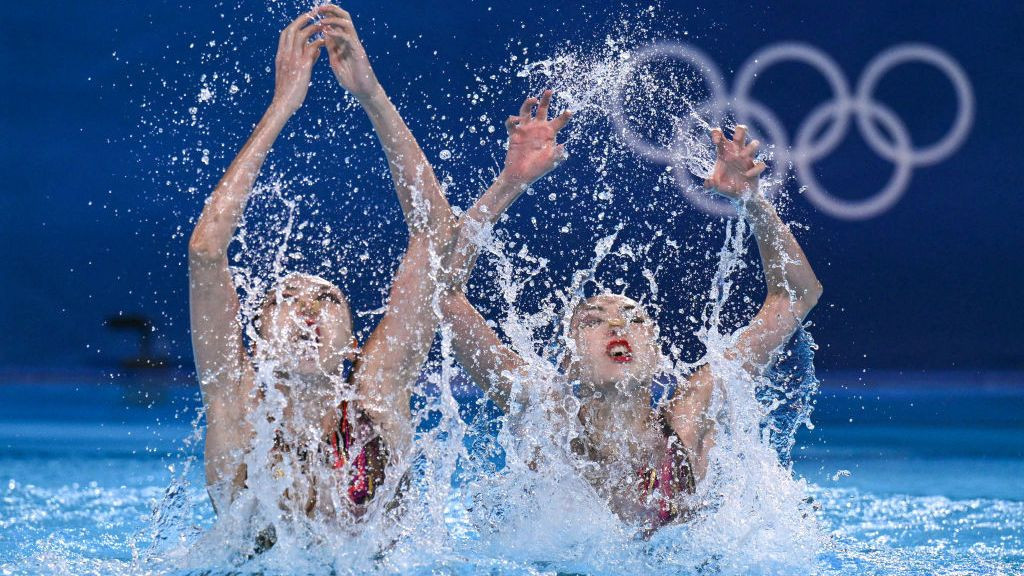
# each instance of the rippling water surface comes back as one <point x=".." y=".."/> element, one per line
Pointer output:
<point x="906" y="480"/>
<point x="901" y="474"/>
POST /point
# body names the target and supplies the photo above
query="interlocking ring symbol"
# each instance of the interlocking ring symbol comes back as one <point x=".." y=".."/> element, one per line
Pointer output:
<point x="834" y="116"/>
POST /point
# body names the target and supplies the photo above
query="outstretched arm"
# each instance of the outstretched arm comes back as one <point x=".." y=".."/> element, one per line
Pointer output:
<point x="793" y="289"/>
<point x="395" y="352"/>
<point x="532" y="153"/>
<point x="393" y="355"/>
<point x="423" y="204"/>
<point x="221" y="362"/>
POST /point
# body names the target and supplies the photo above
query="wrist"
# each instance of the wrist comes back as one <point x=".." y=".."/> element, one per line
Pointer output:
<point x="373" y="97"/>
<point x="754" y="203"/>
<point x="280" y="109"/>
<point x="751" y="193"/>
<point x="505" y="179"/>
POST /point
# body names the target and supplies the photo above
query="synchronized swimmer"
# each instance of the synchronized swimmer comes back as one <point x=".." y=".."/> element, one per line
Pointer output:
<point x="345" y="431"/>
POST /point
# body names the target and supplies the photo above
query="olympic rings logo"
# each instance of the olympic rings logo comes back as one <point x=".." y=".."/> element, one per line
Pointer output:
<point x="808" y="148"/>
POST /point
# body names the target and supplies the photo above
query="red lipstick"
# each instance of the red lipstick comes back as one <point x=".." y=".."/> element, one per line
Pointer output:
<point x="619" y="351"/>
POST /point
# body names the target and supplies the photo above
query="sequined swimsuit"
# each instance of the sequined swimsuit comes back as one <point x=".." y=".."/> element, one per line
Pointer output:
<point x="672" y="477"/>
<point x="367" y="472"/>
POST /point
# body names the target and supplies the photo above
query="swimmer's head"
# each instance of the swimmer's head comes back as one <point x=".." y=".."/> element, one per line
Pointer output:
<point x="305" y="323"/>
<point x="613" y="344"/>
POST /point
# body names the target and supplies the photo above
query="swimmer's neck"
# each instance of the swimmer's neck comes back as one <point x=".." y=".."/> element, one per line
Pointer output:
<point x="613" y="419"/>
<point x="628" y="396"/>
<point x="317" y="396"/>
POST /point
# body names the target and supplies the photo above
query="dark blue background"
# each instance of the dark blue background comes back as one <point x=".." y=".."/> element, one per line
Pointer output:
<point x="92" y="207"/>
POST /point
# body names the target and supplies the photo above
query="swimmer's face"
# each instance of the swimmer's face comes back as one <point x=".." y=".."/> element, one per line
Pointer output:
<point x="616" y="343"/>
<point x="306" y="324"/>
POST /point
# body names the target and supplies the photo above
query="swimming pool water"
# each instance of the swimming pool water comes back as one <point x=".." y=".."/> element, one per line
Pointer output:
<point x="913" y="474"/>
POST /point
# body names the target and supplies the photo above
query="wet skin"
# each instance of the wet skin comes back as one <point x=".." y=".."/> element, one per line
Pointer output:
<point x="306" y="322"/>
<point x="614" y="343"/>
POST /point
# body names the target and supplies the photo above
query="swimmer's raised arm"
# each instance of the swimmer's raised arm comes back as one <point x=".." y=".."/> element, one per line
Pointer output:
<point x="418" y="189"/>
<point x="393" y="356"/>
<point x="532" y="153"/>
<point x="224" y="371"/>
<point x="793" y="288"/>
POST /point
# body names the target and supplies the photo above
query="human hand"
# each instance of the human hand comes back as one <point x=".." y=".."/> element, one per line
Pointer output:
<point x="735" y="172"/>
<point x="294" y="62"/>
<point x="348" y="58"/>
<point x="532" y="151"/>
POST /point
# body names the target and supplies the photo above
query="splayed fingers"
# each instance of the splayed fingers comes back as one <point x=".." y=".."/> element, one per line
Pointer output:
<point x="528" y="116"/>
<point x="532" y="150"/>
<point x="736" y="172"/>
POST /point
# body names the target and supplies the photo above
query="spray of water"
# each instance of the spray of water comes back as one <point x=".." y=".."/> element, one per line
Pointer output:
<point x="489" y="492"/>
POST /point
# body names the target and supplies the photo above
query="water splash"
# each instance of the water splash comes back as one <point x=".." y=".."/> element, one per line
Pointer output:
<point x="458" y="509"/>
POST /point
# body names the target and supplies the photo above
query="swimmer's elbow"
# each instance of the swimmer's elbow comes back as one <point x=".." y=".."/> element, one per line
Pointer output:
<point x="202" y="249"/>
<point x="809" y="298"/>
<point x="813" y="294"/>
